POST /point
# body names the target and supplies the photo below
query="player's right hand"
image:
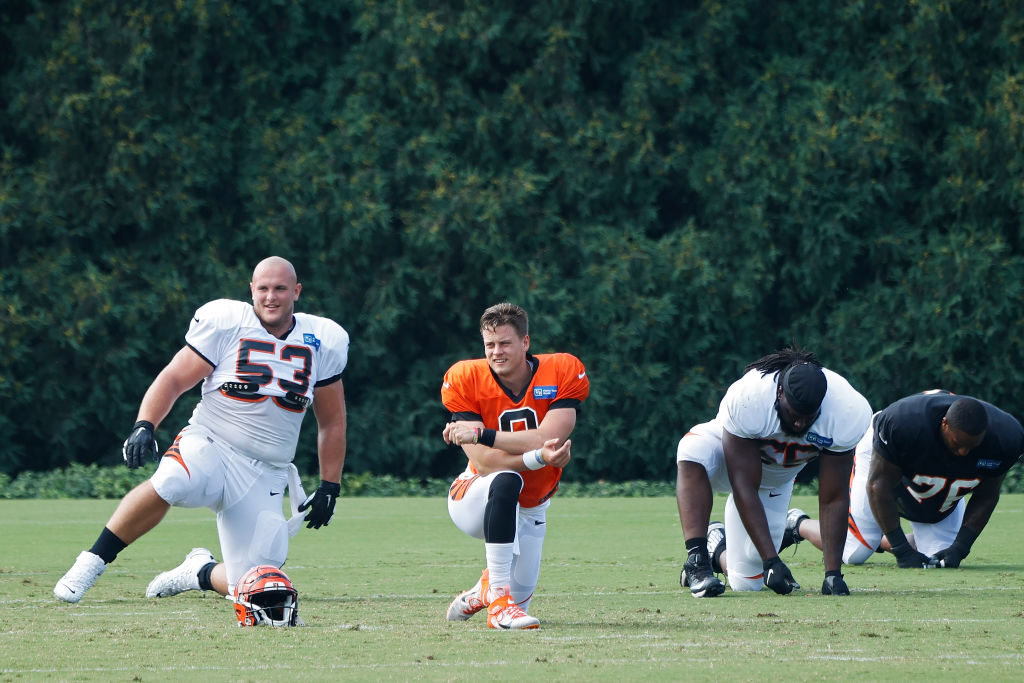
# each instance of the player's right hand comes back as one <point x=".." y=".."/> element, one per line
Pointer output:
<point x="909" y="558"/>
<point x="778" y="577"/>
<point x="139" y="444"/>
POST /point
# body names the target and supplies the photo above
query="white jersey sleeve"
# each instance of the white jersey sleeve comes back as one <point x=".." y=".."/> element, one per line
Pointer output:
<point x="845" y="416"/>
<point x="261" y="386"/>
<point x="748" y="408"/>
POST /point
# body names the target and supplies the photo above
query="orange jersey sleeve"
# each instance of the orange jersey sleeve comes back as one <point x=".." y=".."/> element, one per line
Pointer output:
<point x="470" y="391"/>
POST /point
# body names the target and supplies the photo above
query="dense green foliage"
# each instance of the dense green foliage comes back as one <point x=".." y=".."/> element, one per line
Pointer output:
<point x="92" y="481"/>
<point x="672" y="189"/>
<point x="114" y="481"/>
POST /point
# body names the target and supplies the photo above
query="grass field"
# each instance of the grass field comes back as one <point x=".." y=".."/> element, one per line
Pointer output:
<point x="374" y="586"/>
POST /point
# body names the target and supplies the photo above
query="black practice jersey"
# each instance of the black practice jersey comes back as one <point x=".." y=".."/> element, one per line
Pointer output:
<point x="907" y="433"/>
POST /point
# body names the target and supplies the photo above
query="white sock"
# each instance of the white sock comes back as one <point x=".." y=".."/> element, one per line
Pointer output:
<point x="499" y="564"/>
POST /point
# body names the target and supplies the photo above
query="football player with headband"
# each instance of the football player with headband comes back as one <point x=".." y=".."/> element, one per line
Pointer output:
<point x="262" y="366"/>
<point x="512" y="413"/>
<point x="785" y="411"/>
<point x="922" y="458"/>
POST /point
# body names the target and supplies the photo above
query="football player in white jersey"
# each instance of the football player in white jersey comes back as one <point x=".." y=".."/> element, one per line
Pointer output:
<point x="262" y="366"/>
<point x="782" y="413"/>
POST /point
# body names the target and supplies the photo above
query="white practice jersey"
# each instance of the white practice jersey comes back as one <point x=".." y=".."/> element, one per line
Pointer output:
<point x="261" y="386"/>
<point x="748" y="411"/>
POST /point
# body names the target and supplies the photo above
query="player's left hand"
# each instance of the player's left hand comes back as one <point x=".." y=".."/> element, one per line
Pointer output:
<point x="321" y="504"/>
<point x="834" y="584"/>
<point x="558" y="456"/>
<point x="950" y="558"/>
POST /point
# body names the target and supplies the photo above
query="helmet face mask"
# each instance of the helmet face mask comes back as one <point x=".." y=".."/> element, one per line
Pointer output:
<point x="265" y="596"/>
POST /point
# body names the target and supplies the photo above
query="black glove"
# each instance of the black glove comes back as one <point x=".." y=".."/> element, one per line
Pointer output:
<point x="909" y="558"/>
<point x="951" y="557"/>
<point x="906" y="556"/>
<point x="139" y="444"/>
<point x="321" y="504"/>
<point x="834" y="584"/>
<point x="778" y="577"/>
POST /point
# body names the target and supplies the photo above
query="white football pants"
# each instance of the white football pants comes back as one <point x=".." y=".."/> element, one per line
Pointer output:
<point x="247" y="495"/>
<point x="864" y="536"/>
<point x="466" y="509"/>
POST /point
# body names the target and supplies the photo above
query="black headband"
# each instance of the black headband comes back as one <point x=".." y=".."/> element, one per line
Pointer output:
<point x="804" y="385"/>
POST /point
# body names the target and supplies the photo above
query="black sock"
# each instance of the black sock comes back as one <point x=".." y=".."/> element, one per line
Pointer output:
<point x="107" y="546"/>
<point x="204" y="576"/>
<point x="696" y="545"/>
<point x="716" y="559"/>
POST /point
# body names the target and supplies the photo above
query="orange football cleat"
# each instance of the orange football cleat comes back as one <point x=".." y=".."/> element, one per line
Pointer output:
<point x="504" y="613"/>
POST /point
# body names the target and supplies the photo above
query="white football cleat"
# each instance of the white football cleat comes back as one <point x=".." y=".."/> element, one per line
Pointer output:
<point x="80" y="578"/>
<point x="468" y="603"/>
<point x="716" y="545"/>
<point x="791" y="534"/>
<point x="184" y="577"/>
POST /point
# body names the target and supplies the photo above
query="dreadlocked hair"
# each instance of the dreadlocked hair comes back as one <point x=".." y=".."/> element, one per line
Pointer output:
<point x="782" y="359"/>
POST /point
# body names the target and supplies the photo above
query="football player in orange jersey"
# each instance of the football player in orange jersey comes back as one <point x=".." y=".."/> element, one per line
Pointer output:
<point x="512" y="414"/>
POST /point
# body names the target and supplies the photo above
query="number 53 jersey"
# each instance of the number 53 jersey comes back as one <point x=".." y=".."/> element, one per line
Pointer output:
<point x="261" y="386"/>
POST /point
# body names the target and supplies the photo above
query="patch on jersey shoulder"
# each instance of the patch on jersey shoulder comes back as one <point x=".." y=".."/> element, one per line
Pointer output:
<point x="311" y="339"/>
<point x="986" y="464"/>
<point x="823" y="441"/>
<point x="545" y="392"/>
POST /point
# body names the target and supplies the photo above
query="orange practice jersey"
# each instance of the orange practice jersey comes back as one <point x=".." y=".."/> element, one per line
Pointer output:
<point x="471" y="392"/>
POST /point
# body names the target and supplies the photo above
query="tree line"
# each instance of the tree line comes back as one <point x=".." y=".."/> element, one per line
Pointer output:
<point x="671" y="189"/>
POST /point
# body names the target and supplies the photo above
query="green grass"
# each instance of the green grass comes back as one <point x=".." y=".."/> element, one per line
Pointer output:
<point x="374" y="586"/>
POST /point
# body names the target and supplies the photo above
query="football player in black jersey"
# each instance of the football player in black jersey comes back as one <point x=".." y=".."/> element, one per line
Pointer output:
<point x="923" y="455"/>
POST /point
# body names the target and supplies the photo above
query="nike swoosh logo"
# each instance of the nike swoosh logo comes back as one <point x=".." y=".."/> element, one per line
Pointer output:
<point x="70" y="589"/>
<point x="275" y="493"/>
<point x="196" y="319"/>
<point x="769" y="579"/>
<point x="536" y="523"/>
<point x="772" y="494"/>
<point x="581" y="375"/>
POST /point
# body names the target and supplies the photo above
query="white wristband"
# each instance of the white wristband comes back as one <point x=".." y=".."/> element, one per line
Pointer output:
<point x="533" y="460"/>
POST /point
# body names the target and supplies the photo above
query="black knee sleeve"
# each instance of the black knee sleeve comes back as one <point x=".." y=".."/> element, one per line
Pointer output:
<point x="500" y="513"/>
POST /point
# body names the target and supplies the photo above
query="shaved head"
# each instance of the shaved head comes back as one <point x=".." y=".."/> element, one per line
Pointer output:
<point x="275" y="289"/>
<point x="275" y="263"/>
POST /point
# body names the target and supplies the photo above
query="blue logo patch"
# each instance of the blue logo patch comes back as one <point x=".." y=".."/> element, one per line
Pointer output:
<point x="984" y="464"/>
<point x="823" y="441"/>
<point x="545" y="392"/>
<point x="310" y="339"/>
